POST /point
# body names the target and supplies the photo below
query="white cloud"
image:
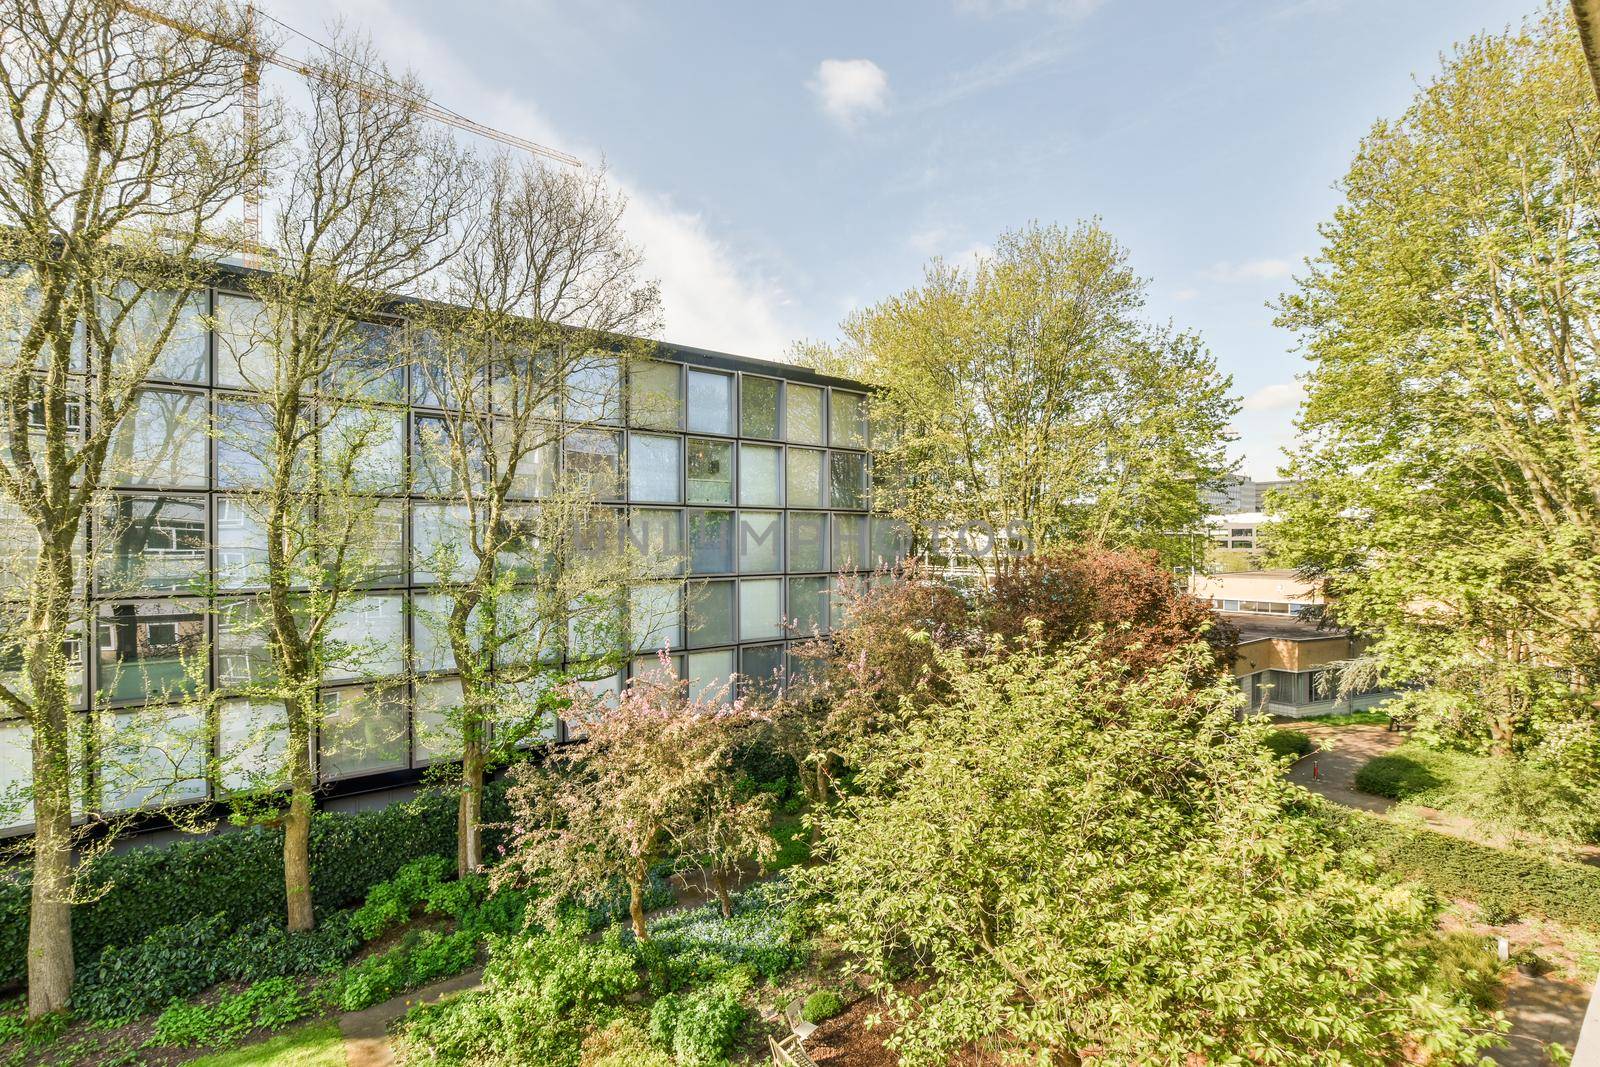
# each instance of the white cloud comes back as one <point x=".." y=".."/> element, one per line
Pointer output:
<point x="1076" y="9"/>
<point x="1249" y="270"/>
<point x="1186" y="295"/>
<point x="850" y="89"/>
<point x="1280" y="396"/>
<point x="712" y="295"/>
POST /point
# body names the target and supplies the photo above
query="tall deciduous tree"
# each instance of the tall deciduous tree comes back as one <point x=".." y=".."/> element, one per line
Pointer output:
<point x="118" y="160"/>
<point x="1062" y="861"/>
<point x="1450" y="448"/>
<point x="1027" y="388"/>
<point x="546" y="308"/>
<point x="368" y="209"/>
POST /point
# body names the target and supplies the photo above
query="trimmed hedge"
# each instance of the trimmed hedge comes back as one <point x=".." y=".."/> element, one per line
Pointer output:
<point x="1502" y="880"/>
<point x="1288" y="743"/>
<point x="1397" y="777"/>
<point x="238" y="874"/>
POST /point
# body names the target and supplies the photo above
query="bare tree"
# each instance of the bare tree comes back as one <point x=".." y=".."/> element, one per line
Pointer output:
<point x="529" y="363"/>
<point x="118" y="159"/>
<point x="367" y="210"/>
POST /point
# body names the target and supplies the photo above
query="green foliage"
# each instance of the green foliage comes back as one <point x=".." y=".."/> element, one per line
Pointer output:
<point x="1288" y="744"/>
<point x="266" y="949"/>
<point x="622" y="1044"/>
<point x="1507" y="881"/>
<point x="1469" y="962"/>
<point x="268" y="1005"/>
<point x="699" y="1027"/>
<point x="312" y="1045"/>
<point x="540" y="995"/>
<point x="391" y="902"/>
<point x="420" y="957"/>
<point x="172" y="962"/>
<point x="698" y="946"/>
<point x="1119" y="839"/>
<point x="822" y="1005"/>
<point x="794" y="844"/>
<point x="1512" y="796"/>
<point x="238" y="874"/>
<point x="1449" y="488"/>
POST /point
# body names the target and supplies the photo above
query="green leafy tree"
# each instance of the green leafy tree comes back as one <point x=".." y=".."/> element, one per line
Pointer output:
<point x="1027" y="389"/>
<point x="1450" y="458"/>
<point x="118" y="159"/>
<point x="1062" y="861"/>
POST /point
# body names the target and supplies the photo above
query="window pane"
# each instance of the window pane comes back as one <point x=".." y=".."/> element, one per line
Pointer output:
<point x="656" y="533"/>
<point x="710" y="402"/>
<point x="710" y="611"/>
<point x="710" y="542"/>
<point x="760" y="476"/>
<point x="151" y="650"/>
<point x="653" y="468"/>
<point x="594" y="462"/>
<point x="849" y="542"/>
<point x="760" y="608"/>
<point x="381" y="554"/>
<point x="151" y="756"/>
<point x="245" y="449"/>
<point x="536" y="473"/>
<point x="890" y="542"/>
<point x="251" y="739"/>
<point x="847" y="426"/>
<point x="162" y="441"/>
<point x="802" y="407"/>
<point x="367" y="638"/>
<point x="435" y="464"/>
<point x="430" y="632"/>
<point x="151" y="543"/>
<point x="437" y="734"/>
<point x="184" y="357"/>
<point x="808" y="542"/>
<point x="653" y="612"/>
<point x="710" y="466"/>
<point x="594" y="389"/>
<point x="244" y="360"/>
<point x="758" y="407"/>
<point x="368" y="364"/>
<point x="805" y="479"/>
<point x="243" y="655"/>
<point x="370" y="444"/>
<point x="808" y="605"/>
<point x="363" y="730"/>
<point x="439" y="542"/>
<point x="241" y="545"/>
<point x="760" y="542"/>
<point x="655" y="394"/>
<point x="848" y="479"/>
<point x="762" y="667"/>
<point x="711" y="675"/>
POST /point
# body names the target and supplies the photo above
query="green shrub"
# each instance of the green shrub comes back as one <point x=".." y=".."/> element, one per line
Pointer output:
<point x="271" y="1004"/>
<point x="622" y="1044"/>
<point x="171" y="963"/>
<point x="540" y="995"/>
<point x="1288" y="743"/>
<point x="266" y="949"/>
<point x="823" y="1004"/>
<point x="391" y="902"/>
<point x="420" y="957"/>
<point x="1471" y="964"/>
<point x="239" y="874"/>
<point x="1397" y="777"/>
<point x="698" y="946"/>
<point x="1508" y="881"/>
<point x="700" y="1027"/>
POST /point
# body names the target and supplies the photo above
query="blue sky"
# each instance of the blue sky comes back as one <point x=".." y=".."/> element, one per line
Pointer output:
<point x="787" y="162"/>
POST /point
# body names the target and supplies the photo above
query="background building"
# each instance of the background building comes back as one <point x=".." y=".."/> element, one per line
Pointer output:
<point x="759" y="478"/>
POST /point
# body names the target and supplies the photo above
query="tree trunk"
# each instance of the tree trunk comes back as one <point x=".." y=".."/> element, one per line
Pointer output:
<point x="297" y="826"/>
<point x="719" y="882"/>
<point x="1587" y="14"/>
<point x="469" y="814"/>
<point x="50" y="959"/>
<point x="636" y="905"/>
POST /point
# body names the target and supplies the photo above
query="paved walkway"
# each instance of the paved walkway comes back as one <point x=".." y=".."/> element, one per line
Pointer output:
<point x="1541" y="1010"/>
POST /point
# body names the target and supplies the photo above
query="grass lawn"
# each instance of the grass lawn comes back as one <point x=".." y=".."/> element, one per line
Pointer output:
<point x="317" y="1045"/>
<point x="1346" y="718"/>
<point x="1498" y="794"/>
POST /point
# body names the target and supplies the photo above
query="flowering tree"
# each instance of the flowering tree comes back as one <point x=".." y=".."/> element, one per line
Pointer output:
<point x="621" y="803"/>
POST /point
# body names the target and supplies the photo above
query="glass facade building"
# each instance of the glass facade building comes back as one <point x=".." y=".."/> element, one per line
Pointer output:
<point x="757" y="474"/>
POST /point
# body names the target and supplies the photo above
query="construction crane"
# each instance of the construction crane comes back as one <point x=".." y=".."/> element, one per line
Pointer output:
<point x="380" y="87"/>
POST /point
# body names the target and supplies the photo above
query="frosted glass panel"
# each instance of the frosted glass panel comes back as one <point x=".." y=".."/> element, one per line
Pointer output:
<point x="806" y="486"/>
<point x="653" y="465"/>
<point x="847" y="424"/>
<point x="760" y="609"/>
<point x="711" y="675"/>
<point x="760" y="542"/>
<point x="710" y="402"/>
<point x="760" y="476"/>
<point x="802" y="422"/>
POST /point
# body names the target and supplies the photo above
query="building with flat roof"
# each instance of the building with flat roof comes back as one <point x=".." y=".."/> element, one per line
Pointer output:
<point x="759" y="477"/>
